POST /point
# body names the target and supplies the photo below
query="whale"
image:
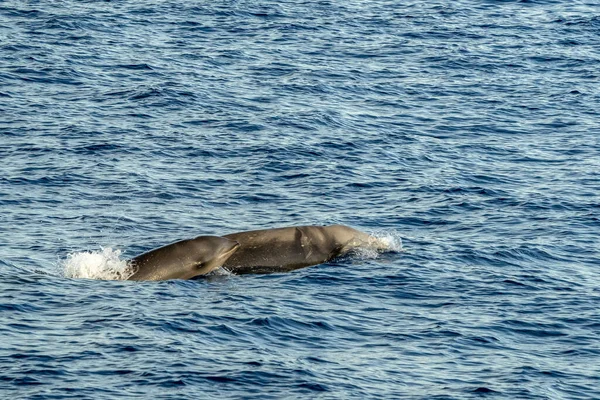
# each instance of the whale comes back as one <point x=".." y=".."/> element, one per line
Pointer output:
<point x="185" y="259"/>
<point x="290" y="248"/>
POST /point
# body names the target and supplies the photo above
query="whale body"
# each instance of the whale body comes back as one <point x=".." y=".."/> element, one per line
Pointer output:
<point x="290" y="248"/>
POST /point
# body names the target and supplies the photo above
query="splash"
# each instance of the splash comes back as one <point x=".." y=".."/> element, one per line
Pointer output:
<point x="105" y="264"/>
<point x="385" y="241"/>
<point x="390" y="240"/>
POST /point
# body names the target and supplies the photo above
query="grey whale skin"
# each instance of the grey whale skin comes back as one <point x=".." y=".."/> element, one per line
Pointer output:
<point x="185" y="259"/>
<point x="287" y="249"/>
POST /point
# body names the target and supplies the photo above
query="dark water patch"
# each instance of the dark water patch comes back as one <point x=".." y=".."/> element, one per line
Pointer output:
<point x="291" y="324"/>
<point x="513" y="282"/>
<point x="221" y="379"/>
<point x="99" y="148"/>
<point x="135" y="67"/>
<point x="58" y="180"/>
<point x="536" y="329"/>
<point x="313" y="387"/>
<point x="484" y="390"/>
<point x="25" y="381"/>
<point x="15" y="12"/>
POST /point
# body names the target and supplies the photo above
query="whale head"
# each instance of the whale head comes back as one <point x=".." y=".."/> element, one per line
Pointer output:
<point x="183" y="260"/>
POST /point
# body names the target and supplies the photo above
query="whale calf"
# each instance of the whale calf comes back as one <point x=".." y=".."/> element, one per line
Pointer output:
<point x="185" y="259"/>
<point x="287" y="249"/>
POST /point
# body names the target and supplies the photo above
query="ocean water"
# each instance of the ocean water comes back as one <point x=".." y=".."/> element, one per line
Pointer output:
<point x="466" y="132"/>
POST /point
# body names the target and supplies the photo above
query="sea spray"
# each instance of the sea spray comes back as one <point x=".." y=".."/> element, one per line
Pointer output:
<point x="105" y="264"/>
<point x="386" y="241"/>
<point x="390" y="238"/>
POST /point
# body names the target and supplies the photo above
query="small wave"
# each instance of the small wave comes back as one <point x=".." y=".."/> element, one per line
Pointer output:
<point x="105" y="264"/>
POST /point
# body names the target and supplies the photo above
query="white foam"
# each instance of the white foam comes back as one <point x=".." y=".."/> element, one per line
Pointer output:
<point x="384" y="241"/>
<point x="220" y="272"/>
<point x="390" y="239"/>
<point x="105" y="264"/>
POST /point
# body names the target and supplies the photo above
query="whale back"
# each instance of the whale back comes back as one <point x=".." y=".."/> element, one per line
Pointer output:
<point x="286" y="249"/>
<point x="349" y="239"/>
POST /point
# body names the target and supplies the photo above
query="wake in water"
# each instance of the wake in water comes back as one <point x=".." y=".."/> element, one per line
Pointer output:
<point x="105" y="264"/>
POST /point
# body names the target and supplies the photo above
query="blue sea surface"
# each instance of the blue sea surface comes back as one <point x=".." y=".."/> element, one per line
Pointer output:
<point x="467" y="131"/>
